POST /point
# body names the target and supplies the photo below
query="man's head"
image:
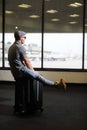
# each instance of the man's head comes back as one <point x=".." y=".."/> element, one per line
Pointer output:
<point x="20" y="35"/>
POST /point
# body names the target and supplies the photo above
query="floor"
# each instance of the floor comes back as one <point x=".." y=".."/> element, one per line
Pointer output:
<point x="62" y="110"/>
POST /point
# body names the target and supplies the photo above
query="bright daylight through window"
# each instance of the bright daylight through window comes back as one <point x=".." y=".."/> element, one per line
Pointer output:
<point x="54" y="32"/>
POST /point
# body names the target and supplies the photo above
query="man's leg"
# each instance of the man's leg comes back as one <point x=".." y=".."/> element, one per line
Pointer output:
<point x="29" y="73"/>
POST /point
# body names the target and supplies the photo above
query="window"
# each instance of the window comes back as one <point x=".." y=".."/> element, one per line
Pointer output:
<point x="85" y="41"/>
<point x="55" y="37"/>
<point x="63" y="34"/>
<point x="0" y="33"/>
<point x="26" y="16"/>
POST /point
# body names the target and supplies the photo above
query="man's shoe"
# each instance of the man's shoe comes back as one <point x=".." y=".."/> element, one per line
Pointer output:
<point x="61" y="83"/>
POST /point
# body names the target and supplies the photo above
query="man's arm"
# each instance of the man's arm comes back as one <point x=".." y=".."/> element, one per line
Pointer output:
<point x="28" y="63"/>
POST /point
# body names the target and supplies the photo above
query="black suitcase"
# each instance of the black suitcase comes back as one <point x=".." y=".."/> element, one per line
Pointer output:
<point x="35" y="95"/>
<point x="28" y="95"/>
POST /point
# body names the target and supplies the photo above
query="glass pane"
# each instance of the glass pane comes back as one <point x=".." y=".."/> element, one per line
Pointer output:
<point x="86" y="40"/>
<point x="0" y="33"/>
<point x="63" y="34"/>
<point x="26" y="16"/>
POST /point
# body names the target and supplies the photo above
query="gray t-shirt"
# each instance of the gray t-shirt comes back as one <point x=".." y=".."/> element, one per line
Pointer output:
<point x="16" y="55"/>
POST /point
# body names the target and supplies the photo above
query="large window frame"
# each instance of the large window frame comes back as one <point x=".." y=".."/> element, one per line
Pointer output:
<point x="42" y="41"/>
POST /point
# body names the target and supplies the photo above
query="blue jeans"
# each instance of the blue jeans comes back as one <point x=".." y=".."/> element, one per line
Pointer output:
<point x="30" y="73"/>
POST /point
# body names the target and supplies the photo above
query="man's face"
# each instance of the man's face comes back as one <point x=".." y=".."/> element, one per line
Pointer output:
<point x="22" y="40"/>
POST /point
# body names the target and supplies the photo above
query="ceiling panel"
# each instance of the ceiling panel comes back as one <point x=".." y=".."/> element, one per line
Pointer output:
<point x="20" y="16"/>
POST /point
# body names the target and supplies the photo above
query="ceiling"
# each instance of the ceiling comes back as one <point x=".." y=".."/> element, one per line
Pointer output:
<point x="60" y="21"/>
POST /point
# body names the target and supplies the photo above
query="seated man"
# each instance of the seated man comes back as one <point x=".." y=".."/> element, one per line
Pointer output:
<point x="21" y="65"/>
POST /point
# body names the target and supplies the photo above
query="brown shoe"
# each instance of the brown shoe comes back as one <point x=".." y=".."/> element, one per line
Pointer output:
<point x="61" y="83"/>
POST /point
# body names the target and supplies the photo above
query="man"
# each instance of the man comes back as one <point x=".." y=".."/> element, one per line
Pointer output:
<point x="21" y="65"/>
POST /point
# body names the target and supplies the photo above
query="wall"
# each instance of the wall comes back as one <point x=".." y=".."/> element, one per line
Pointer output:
<point x="70" y="77"/>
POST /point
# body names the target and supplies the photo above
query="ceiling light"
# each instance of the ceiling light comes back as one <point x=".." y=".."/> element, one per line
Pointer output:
<point x="55" y="20"/>
<point x="34" y="16"/>
<point x="16" y="27"/>
<point x="86" y="25"/>
<point x="51" y="11"/>
<point x="73" y="22"/>
<point x="74" y="15"/>
<point x="24" y="6"/>
<point x="78" y="4"/>
<point x="75" y="4"/>
<point x="8" y="12"/>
